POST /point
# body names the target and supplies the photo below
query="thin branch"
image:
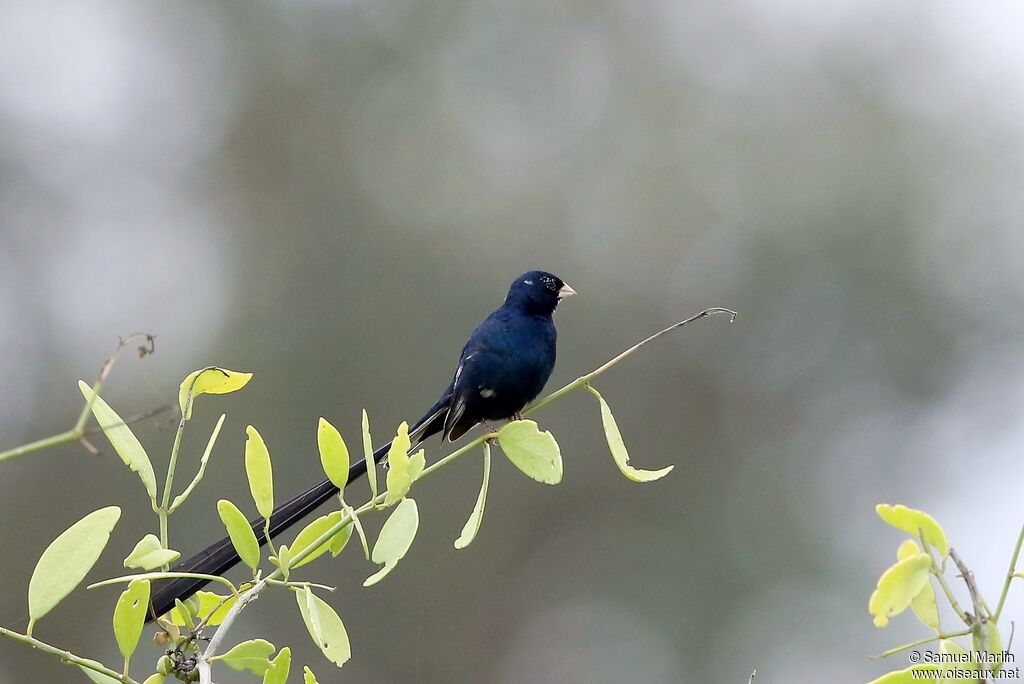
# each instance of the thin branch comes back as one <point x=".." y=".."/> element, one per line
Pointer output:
<point x="165" y="575"/>
<point x="921" y="642"/>
<point x="980" y="611"/>
<point x="67" y="656"/>
<point x="78" y="429"/>
<point x="936" y="570"/>
<point x="203" y="661"/>
<point x="1009" y="574"/>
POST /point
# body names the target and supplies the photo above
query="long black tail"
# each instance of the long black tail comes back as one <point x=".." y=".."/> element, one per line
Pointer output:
<point x="219" y="557"/>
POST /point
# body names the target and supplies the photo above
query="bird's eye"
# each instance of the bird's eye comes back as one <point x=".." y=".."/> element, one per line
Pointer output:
<point x="550" y="283"/>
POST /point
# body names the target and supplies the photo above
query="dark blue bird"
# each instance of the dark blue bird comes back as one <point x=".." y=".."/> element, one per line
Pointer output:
<point x="504" y="366"/>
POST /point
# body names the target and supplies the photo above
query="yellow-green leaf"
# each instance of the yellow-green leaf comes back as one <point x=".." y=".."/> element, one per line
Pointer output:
<point x="204" y="605"/>
<point x="211" y="380"/>
<point x="371" y="467"/>
<point x="333" y="454"/>
<point x="130" y="616"/>
<point x="356" y="523"/>
<point x="404" y="468"/>
<point x="914" y="523"/>
<point x="923" y="605"/>
<point x="395" y="539"/>
<point x="155" y="679"/>
<point x="532" y="451"/>
<point x="277" y="673"/>
<point x="283" y="560"/>
<point x="253" y="655"/>
<point x="180" y="499"/>
<point x="325" y="627"/>
<point x="989" y="641"/>
<point x="67" y="560"/>
<point x="242" y="536"/>
<point x="149" y="554"/>
<point x="259" y="472"/>
<point x="310" y="533"/>
<point x="959" y="661"/>
<point x="340" y="540"/>
<point x="121" y="437"/>
<point x="926" y="673"/>
<point x="897" y="587"/>
<point x="618" y="447"/>
<point x="307" y="676"/>
<point x="472" y="525"/>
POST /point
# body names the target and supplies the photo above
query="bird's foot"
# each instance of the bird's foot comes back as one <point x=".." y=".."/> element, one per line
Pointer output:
<point x="517" y="416"/>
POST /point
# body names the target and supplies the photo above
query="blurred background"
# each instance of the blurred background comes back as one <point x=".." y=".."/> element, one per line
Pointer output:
<point x="332" y="193"/>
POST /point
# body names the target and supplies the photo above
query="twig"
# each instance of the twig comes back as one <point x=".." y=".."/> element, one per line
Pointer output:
<point x="203" y="661"/>
<point x="980" y="611"/>
<point x="67" y="656"/>
<point x="1009" y="574"/>
<point x="921" y="642"/>
<point x="752" y="675"/>
<point x="78" y="429"/>
<point x="936" y="571"/>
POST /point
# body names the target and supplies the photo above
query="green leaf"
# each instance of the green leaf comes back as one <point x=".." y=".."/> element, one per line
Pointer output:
<point x="121" y="437"/>
<point x="908" y="676"/>
<point x="130" y="616"/>
<point x="897" y="587"/>
<point x="97" y="677"/>
<point x="253" y="655"/>
<point x="532" y="451"/>
<point x="148" y="554"/>
<point x="180" y="499"/>
<point x="283" y="560"/>
<point x="924" y="605"/>
<point x="211" y="380"/>
<point x="185" y="613"/>
<point x="310" y="533"/>
<point x="325" y="627"/>
<point x="472" y="525"/>
<point x="242" y="536"/>
<point x="333" y="454"/>
<point x="67" y="560"/>
<point x="618" y="447"/>
<point x="307" y="676"/>
<point x="259" y="472"/>
<point x="961" y="661"/>
<point x="914" y="523"/>
<point x="371" y="467"/>
<point x="155" y="679"/>
<point x="989" y="641"/>
<point x="340" y="540"/>
<point x="395" y="539"/>
<point x="277" y="673"/>
<point x="404" y="468"/>
<point x="204" y="605"/>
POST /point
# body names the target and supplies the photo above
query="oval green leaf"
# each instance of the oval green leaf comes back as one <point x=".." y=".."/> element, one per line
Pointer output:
<point x="307" y="676"/>
<point x="67" y="560"/>
<point x="340" y="540"/>
<point x="403" y="469"/>
<point x="148" y="554"/>
<point x="121" y="437"/>
<point x="97" y="677"/>
<point x="472" y="525"/>
<point x="915" y="523"/>
<point x="259" y="472"/>
<point x="310" y="533"/>
<point x="211" y="380"/>
<point x="253" y="655"/>
<point x="333" y="454"/>
<point x="155" y="679"/>
<point x="242" y="536"/>
<point x="618" y="447"/>
<point x="897" y="587"/>
<point x="203" y="606"/>
<point x="395" y="538"/>
<point x="130" y="616"/>
<point x="325" y="627"/>
<point x="277" y="672"/>
<point x="532" y="451"/>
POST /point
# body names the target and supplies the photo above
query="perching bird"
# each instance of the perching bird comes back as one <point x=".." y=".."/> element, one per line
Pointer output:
<point x="503" y="367"/>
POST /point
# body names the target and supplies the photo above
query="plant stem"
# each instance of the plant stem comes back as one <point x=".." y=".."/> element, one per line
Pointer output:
<point x="67" y="656"/>
<point x="203" y="662"/>
<point x="1009" y="575"/>
<point x="936" y="570"/>
<point x="921" y="642"/>
<point x="166" y="575"/>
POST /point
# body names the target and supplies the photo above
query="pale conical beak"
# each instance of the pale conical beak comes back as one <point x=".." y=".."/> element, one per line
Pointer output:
<point x="566" y="291"/>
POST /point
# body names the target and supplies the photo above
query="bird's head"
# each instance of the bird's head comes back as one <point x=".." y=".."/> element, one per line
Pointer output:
<point x="538" y="292"/>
